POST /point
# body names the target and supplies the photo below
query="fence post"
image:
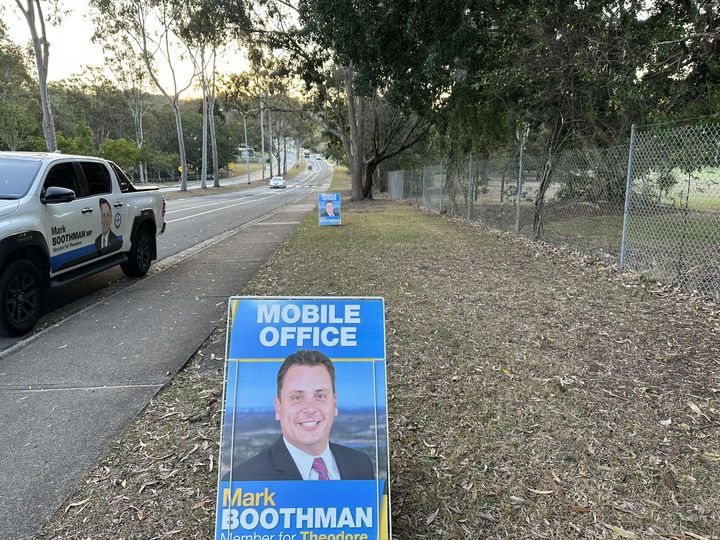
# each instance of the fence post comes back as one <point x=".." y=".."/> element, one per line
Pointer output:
<point x="470" y="191"/>
<point x="628" y="196"/>
<point x="519" y="187"/>
<point x="442" y="188"/>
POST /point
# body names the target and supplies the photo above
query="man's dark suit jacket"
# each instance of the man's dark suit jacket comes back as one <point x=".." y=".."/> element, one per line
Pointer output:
<point x="114" y="243"/>
<point x="276" y="463"/>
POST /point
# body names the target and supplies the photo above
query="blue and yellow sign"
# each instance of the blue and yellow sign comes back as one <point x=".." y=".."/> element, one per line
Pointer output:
<point x="329" y="209"/>
<point x="304" y="453"/>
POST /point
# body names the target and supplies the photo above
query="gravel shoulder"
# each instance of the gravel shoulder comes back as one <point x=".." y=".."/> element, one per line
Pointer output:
<point x="533" y="393"/>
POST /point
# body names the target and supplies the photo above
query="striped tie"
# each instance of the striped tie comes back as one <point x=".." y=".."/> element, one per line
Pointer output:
<point x="319" y="467"/>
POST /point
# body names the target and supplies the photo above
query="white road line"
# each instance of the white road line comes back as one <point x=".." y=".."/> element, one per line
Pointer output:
<point x="217" y="209"/>
<point x="76" y="388"/>
<point x="158" y="268"/>
<point x="253" y="200"/>
<point x="218" y="202"/>
<point x="281" y="223"/>
<point x="197" y="206"/>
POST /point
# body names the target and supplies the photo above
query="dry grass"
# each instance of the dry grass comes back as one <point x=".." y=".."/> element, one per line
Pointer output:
<point x="533" y="393"/>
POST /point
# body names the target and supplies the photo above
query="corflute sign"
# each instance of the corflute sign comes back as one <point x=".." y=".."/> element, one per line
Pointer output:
<point x="329" y="209"/>
<point x="304" y="453"/>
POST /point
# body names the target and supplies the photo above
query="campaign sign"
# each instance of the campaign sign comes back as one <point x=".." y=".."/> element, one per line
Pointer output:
<point x="329" y="208"/>
<point x="304" y="451"/>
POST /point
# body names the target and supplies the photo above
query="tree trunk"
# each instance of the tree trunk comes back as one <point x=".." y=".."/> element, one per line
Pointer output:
<point x="41" y="47"/>
<point x="270" y="150"/>
<point x="213" y="144"/>
<point x="284" y="154"/>
<point x="181" y="147"/>
<point x="370" y="167"/>
<point x="540" y="197"/>
<point x="203" y="172"/>
<point x="213" y="133"/>
<point x="357" y="138"/>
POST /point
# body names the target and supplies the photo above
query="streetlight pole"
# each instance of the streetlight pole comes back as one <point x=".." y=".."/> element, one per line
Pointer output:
<point x="262" y="137"/>
<point x="271" y="141"/>
<point x="247" y="149"/>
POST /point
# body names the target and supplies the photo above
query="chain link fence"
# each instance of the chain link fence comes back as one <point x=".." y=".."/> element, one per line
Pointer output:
<point x="669" y="228"/>
<point x="673" y="206"/>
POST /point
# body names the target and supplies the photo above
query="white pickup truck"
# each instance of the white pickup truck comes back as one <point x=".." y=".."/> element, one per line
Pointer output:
<point x="64" y="218"/>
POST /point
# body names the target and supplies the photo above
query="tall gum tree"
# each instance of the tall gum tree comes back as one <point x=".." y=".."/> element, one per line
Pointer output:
<point x="390" y="54"/>
<point x="32" y="10"/>
<point x="152" y="27"/>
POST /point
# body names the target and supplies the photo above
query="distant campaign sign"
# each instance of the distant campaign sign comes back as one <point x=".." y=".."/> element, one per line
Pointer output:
<point x="329" y="209"/>
<point x="304" y="450"/>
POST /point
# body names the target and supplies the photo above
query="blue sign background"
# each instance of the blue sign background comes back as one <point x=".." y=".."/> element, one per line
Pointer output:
<point x="245" y="336"/>
<point x="249" y="424"/>
<point x="339" y="494"/>
<point x="355" y="384"/>
<point x="329" y="220"/>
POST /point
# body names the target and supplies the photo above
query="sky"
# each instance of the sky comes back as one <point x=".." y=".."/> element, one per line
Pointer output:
<point x="71" y="46"/>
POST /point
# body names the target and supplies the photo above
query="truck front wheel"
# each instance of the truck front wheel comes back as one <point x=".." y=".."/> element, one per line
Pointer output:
<point x="140" y="255"/>
<point x="21" y="293"/>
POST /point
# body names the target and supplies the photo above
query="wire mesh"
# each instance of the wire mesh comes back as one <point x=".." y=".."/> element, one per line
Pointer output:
<point x="672" y="227"/>
<point x="673" y="224"/>
<point x="433" y="179"/>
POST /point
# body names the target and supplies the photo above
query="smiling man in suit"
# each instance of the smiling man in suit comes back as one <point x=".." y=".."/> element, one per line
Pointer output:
<point x="107" y="241"/>
<point x="305" y="406"/>
<point x="329" y="210"/>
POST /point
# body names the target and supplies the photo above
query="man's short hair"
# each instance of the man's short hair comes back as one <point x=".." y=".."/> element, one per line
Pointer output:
<point x="104" y="201"/>
<point x="305" y="358"/>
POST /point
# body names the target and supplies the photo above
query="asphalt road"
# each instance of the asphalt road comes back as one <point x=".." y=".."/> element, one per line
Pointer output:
<point x="189" y="222"/>
<point x="69" y="388"/>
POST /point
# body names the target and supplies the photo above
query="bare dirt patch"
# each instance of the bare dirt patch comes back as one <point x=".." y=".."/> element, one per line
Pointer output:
<point x="533" y="393"/>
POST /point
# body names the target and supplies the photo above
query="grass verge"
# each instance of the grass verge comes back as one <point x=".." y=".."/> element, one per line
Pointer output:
<point x="532" y="393"/>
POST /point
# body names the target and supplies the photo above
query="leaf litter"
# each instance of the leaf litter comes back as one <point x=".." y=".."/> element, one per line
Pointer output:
<point x="533" y="392"/>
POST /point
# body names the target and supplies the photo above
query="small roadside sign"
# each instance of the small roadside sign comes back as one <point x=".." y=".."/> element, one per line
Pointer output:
<point x="329" y="209"/>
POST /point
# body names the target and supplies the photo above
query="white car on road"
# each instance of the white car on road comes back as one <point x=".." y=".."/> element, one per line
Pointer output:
<point x="277" y="182"/>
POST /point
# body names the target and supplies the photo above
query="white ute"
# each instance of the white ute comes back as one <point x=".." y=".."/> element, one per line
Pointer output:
<point x="64" y="218"/>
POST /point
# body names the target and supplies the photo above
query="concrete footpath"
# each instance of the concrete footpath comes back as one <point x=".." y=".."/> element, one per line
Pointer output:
<point x="86" y="379"/>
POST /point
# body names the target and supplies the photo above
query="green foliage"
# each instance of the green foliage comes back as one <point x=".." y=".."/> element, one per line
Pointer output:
<point x="16" y="126"/>
<point x="121" y="151"/>
<point x="15" y="76"/>
<point x="79" y="143"/>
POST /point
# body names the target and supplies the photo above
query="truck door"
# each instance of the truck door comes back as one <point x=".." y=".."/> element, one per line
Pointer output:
<point x="112" y="225"/>
<point x="69" y="225"/>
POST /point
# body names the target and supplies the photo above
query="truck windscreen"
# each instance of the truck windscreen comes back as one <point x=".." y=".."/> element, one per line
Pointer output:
<point x="16" y="176"/>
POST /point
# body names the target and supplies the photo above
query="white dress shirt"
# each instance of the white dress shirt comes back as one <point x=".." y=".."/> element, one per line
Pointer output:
<point x="304" y="462"/>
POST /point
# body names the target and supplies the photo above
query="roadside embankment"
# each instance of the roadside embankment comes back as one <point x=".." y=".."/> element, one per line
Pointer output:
<point x="533" y="392"/>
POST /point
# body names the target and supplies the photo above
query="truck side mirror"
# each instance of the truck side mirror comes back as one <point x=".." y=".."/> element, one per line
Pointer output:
<point x="56" y="194"/>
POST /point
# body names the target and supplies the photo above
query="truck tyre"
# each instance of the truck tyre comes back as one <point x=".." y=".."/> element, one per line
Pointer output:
<point x="140" y="255"/>
<point x="21" y="293"/>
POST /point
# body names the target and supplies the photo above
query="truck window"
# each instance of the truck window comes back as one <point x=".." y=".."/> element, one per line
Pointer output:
<point x="97" y="177"/>
<point x="63" y="175"/>
<point x="123" y="180"/>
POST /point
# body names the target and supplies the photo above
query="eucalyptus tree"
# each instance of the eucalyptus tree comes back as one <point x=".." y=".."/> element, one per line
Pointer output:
<point x="37" y="20"/>
<point x="17" y="107"/>
<point x="205" y="32"/>
<point x="153" y="27"/>
<point x="358" y="61"/>
<point x="127" y="68"/>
